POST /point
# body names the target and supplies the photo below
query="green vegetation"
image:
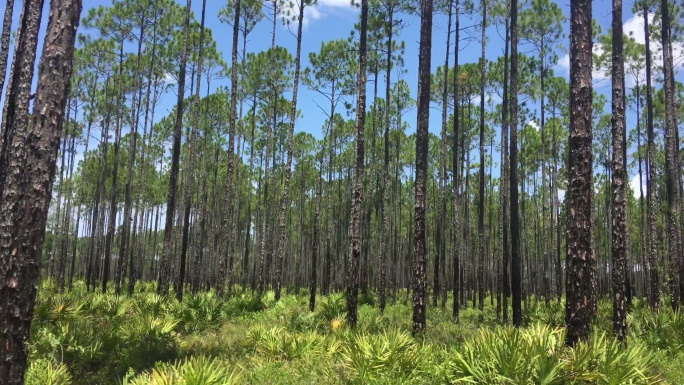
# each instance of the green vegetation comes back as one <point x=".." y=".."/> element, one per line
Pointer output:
<point x="86" y="338"/>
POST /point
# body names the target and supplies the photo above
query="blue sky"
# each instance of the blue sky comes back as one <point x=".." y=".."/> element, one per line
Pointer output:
<point x="334" y="19"/>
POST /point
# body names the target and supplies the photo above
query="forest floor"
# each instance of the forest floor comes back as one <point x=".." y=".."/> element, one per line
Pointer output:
<point x="84" y="338"/>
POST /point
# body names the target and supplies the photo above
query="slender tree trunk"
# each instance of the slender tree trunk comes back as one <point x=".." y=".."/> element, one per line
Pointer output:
<point x="385" y="171"/>
<point x="111" y="220"/>
<point x="672" y="172"/>
<point x="481" y="199"/>
<point x="4" y="47"/>
<point x="285" y="202"/>
<point x="516" y="266"/>
<point x="61" y="276"/>
<point x="248" y="228"/>
<point x="651" y="190"/>
<point x="190" y="187"/>
<point x="316" y="241"/>
<point x="619" y="207"/>
<point x="228" y="220"/>
<point x="167" y="253"/>
<point x="54" y="258"/>
<point x="440" y="260"/>
<point x="420" y="240"/>
<point x="15" y="113"/>
<point x="128" y="198"/>
<point x="504" y="191"/>
<point x="27" y="192"/>
<point x="455" y="172"/>
<point x="355" y="240"/>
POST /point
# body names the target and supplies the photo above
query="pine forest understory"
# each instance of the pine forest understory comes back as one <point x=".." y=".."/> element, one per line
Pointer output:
<point x="341" y="191"/>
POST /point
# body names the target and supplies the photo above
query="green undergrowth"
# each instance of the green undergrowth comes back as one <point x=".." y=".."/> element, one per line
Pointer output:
<point x="85" y="338"/>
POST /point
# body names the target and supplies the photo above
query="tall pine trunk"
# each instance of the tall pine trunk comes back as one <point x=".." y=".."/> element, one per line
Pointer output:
<point x="189" y="189"/>
<point x="481" y="199"/>
<point x="440" y="257"/>
<point x="27" y="192"/>
<point x="619" y="204"/>
<point x="167" y="253"/>
<point x="580" y="307"/>
<point x="4" y="45"/>
<point x="651" y="190"/>
<point x="385" y="171"/>
<point x="516" y="265"/>
<point x="456" y="276"/>
<point x="672" y="171"/>
<point x="357" y="188"/>
<point x="420" y="239"/>
<point x="285" y="202"/>
<point x="15" y="113"/>
<point x="504" y="226"/>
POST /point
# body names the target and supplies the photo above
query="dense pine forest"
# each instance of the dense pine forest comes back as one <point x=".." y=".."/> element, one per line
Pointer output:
<point x="341" y="191"/>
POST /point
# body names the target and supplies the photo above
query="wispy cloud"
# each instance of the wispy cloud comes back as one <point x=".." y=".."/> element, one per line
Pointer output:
<point x="318" y="11"/>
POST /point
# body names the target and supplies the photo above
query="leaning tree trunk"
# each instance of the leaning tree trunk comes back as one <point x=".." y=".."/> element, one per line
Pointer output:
<point x="4" y="46"/>
<point x="15" y="113"/>
<point x="581" y="281"/>
<point x="357" y="188"/>
<point x="420" y="240"/>
<point x="619" y="206"/>
<point x="27" y="192"/>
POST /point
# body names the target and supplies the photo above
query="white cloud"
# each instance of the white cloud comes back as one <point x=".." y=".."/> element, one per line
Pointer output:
<point x="563" y="65"/>
<point x="533" y="124"/>
<point x="634" y="28"/>
<point x="169" y="78"/>
<point x="599" y="74"/>
<point x="634" y="185"/>
<point x="335" y="3"/>
<point x="314" y="12"/>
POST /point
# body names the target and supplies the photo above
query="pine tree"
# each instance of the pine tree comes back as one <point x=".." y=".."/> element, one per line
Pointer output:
<point x="27" y="190"/>
<point x="580" y="307"/>
<point x="619" y="204"/>
<point x="167" y="257"/>
<point x="420" y="238"/>
<point x="516" y="265"/>
<point x="357" y="187"/>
